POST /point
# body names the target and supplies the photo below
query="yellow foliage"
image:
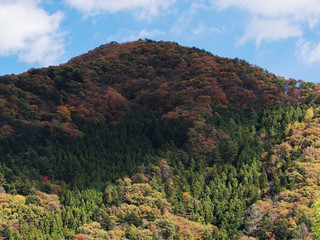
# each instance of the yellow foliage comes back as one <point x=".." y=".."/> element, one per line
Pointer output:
<point x="49" y="200"/>
<point x="316" y="144"/>
<point x="292" y="223"/>
<point x="286" y="132"/>
<point x="117" y="234"/>
<point x="187" y="234"/>
<point x="144" y="234"/>
<point x="6" y="211"/>
<point x="301" y="210"/>
<point x="295" y="176"/>
<point x="247" y="238"/>
<point x="143" y="200"/>
<point x="93" y="230"/>
<point x="289" y="196"/>
<point x="308" y="192"/>
<point x="295" y="126"/>
<point x="145" y="209"/>
<point x="309" y="115"/>
<point x="20" y="198"/>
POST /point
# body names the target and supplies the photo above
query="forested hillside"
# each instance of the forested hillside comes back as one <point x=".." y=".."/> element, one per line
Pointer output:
<point x="152" y="140"/>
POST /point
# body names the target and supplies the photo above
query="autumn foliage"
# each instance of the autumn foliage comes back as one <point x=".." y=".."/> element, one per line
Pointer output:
<point x="174" y="81"/>
<point x="153" y="140"/>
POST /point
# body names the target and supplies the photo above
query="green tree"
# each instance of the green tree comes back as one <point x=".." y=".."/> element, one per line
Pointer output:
<point x="131" y="232"/>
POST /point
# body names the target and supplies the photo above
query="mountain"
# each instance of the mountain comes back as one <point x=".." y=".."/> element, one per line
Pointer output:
<point x="153" y="140"/>
<point x="171" y="80"/>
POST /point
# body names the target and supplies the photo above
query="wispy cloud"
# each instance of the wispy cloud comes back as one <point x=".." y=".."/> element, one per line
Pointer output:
<point x="30" y="32"/>
<point x="140" y="8"/>
<point x="185" y="22"/>
<point x="203" y="29"/>
<point x="273" y="20"/>
<point x="124" y="35"/>
<point x="268" y="30"/>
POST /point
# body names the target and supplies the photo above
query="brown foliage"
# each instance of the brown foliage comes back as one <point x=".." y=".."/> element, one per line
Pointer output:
<point x="311" y="152"/>
<point x="71" y="130"/>
<point x="203" y="137"/>
<point x="6" y="131"/>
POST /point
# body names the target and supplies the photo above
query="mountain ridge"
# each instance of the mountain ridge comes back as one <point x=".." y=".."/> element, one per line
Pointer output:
<point x="171" y="80"/>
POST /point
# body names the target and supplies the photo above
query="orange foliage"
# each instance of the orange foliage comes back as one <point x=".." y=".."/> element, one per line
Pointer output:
<point x="186" y="195"/>
<point x="64" y="112"/>
<point x="80" y="236"/>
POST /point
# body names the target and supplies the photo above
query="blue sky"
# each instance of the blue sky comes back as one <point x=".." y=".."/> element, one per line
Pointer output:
<point x="282" y="36"/>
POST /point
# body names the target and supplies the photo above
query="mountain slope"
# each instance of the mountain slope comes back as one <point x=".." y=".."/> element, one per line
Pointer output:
<point x="210" y="142"/>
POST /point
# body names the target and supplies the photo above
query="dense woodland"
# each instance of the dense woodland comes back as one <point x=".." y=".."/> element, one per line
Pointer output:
<point x="152" y="140"/>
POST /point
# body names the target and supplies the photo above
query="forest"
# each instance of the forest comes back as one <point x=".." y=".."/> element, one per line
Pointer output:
<point x="153" y="140"/>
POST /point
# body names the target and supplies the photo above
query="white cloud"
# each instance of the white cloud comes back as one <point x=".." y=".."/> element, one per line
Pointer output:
<point x="270" y="30"/>
<point x="309" y="51"/>
<point x="125" y="35"/>
<point x="30" y="32"/>
<point x="287" y="17"/>
<point x="141" y="8"/>
<point x="303" y="10"/>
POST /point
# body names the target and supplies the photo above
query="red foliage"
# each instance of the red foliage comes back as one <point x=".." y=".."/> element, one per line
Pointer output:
<point x="45" y="178"/>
